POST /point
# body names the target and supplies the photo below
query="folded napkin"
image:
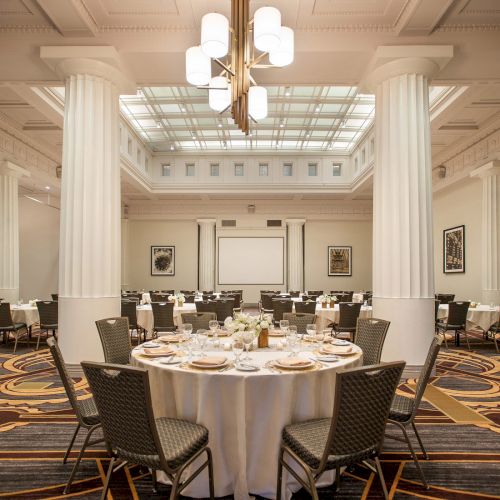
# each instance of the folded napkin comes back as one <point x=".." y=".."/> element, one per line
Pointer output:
<point x="336" y="349"/>
<point x="294" y="362"/>
<point x="159" y="351"/>
<point x="211" y="361"/>
<point x="170" y="338"/>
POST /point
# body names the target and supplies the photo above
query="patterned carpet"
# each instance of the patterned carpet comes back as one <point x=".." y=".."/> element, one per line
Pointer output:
<point x="459" y="422"/>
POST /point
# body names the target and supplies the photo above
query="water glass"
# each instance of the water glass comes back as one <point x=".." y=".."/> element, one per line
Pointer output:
<point x="188" y="328"/>
<point x="284" y="324"/>
<point x="201" y="338"/>
<point x="293" y="343"/>
<point x="238" y="347"/>
<point x="247" y="337"/>
<point x="213" y="324"/>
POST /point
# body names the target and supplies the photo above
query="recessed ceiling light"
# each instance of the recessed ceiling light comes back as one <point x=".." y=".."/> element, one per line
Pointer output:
<point x="183" y="108"/>
<point x="47" y="187"/>
<point x="194" y="137"/>
<point x="172" y="147"/>
<point x="316" y="109"/>
<point x="220" y="125"/>
<point x="158" y="124"/>
<point x="287" y="91"/>
<point x="308" y="134"/>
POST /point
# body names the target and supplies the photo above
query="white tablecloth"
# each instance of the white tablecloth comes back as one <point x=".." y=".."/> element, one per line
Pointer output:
<point x="245" y="413"/>
<point x="25" y="314"/>
<point x="145" y="315"/>
<point x="326" y="316"/>
<point x="482" y="316"/>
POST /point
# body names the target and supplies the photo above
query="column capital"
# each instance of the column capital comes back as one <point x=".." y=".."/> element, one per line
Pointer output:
<point x="13" y="170"/>
<point x="206" y="221"/>
<point x="489" y="169"/>
<point x="390" y="61"/>
<point x="298" y="222"/>
<point x="96" y="60"/>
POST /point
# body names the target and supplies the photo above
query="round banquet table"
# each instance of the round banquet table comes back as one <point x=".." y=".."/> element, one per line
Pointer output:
<point x="25" y="314"/>
<point x="482" y="316"/>
<point x="325" y="316"/>
<point x="145" y="315"/>
<point x="245" y="413"/>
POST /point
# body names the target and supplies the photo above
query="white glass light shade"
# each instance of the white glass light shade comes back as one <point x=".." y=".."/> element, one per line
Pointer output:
<point x="214" y="35"/>
<point x="257" y="102"/>
<point x="267" y="28"/>
<point x="283" y="55"/>
<point x="219" y="94"/>
<point x="198" y="66"/>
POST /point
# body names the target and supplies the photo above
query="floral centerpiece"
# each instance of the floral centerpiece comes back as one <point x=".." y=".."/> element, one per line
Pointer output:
<point x="324" y="299"/>
<point x="241" y="322"/>
<point x="178" y="298"/>
<point x="262" y="328"/>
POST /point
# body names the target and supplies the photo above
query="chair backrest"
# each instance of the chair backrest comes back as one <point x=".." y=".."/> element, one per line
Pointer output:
<point x="457" y="313"/>
<point x="370" y="336"/>
<point x="426" y="370"/>
<point x="48" y="312"/>
<point x="363" y="398"/>
<point x="300" y="320"/>
<point x="436" y="309"/>
<point x="115" y="340"/>
<point x="369" y="302"/>
<point x="224" y="308"/>
<point x="205" y="306"/>
<point x="159" y="297"/>
<point x="348" y="314"/>
<point x="294" y="293"/>
<point x="315" y="292"/>
<point x="207" y="292"/>
<point x="168" y="292"/>
<point x="445" y="298"/>
<point x="123" y="399"/>
<point x="305" y="307"/>
<point x="188" y="292"/>
<point x="189" y="298"/>
<point x="308" y="296"/>
<point x="198" y="320"/>
<point x="163" y="314"/>
<point x="129" y="310"/>
<point x="233" y="296"/>
<point x="337" y="292"/>
<point x="6" y="316"/>
<point x="209" y="296"/>
<point x="267" y="300"/>
<point x="366" y="296"/>
<point x="347" y="297"/>
<point x="64" y="374"/>
<point x="281" y="306"/>
<point x="55" y="296"/>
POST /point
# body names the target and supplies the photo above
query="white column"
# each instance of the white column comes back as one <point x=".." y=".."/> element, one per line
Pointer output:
<point x="9" y="230"/>
<point x="490" y="245"/>
<point x="403" y="261"/>
<point x="206" y="261"/>
<point x="90" y="247"/>
<point x="295" y="254"/>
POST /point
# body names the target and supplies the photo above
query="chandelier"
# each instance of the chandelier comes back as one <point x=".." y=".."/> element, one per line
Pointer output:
<point x="237" y="48"/>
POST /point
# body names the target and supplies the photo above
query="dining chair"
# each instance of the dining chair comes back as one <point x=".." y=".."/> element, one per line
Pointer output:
<point x="305" y="307"/>
<point x="55" y="296"/>
<point x="348" y="317"/>
<point x="294" y="293"/>
<point x="208" y="296"/>
<point x="133" y="434"/>
<point x="189" y="298"/>
<point x="354" y="433"/>
<point x="266" y="302"/>
<point x="224" y="308"/>
<point x="48" y="313"/>
<point x="167" y="292"/>
<point x="315" y="292"/>
<point x="445" y="298"/>
<point x="85" y="410"/>
<point x="370" y="337"/>
<point x="494" y="331"/>
<point x="188" y="292"/>
<point x="281" y="306"/>
<point x="129" y="311"/>
<point x="8" y="326"/>
<point x="163" y="317"/>
<point x="205" y="306"/>
<point x="300" y="320"/>
<point x="207" y="292"/>
<point x="456" y="321"/>
<point x="308" y="296"/>
<point x="232" y="296"/>
<point x="159" y="297"/>
<point x="199" y="320"/>
<point x="404" y="409"/>
<point x="436" y="313"/>
<point x="115" y="339"/>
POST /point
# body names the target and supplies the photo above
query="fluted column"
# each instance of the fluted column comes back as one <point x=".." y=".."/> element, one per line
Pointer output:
<point x="90" y="246"/>
<point x="206" y="277"/>
<point x="9" y="230"/>
<point x="295" y="254"/>
<point x="403" y="261"/>
<point x="490" y="244"/>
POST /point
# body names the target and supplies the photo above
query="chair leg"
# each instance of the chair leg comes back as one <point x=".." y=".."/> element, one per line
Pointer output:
<point x="16" y="335"/>
<point x="280" y="474"/>
<point x="414" y="456"/>
<point x="426" y="457"/>
<point x="155" y="481"/>
<point x="108" y="477"/>
<point x="337" y="479"/>
<point x="466" y="338"/>
<point x="175" y="486"/>
<point x="79" y="459"/>
<point x="210" y="473"/>
<point x="66" y="455"/>
<point x="38" y="339"/>
<point x="495" y="340"/>
<point x="381" y="478"/>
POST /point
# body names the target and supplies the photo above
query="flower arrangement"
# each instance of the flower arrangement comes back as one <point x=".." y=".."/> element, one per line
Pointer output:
<point x="180" y="298"/>
<point x="324" y="298"/>
<point x="240" y="323"/>
<point x="261" y="323"/>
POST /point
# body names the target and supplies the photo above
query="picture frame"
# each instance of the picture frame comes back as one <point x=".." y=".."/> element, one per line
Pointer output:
<point x="339" y="260"/>
<point x="162" y="260"/>
<point x="454" y="250"/>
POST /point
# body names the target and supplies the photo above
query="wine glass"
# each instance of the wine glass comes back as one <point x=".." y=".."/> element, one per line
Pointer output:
<point x="213" y="324"/>
<point x="238" y="347"/>
<point x="284" y="324"/>
<point x="311" y="331"/>
<point x="292" y="343"/>
<point x="201" y="338"/>
<point x="188" y="328"/>
<point x="247" y="337"/>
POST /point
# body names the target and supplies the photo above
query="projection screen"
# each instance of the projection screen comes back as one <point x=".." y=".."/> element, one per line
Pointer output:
<point x="251" y="260"/>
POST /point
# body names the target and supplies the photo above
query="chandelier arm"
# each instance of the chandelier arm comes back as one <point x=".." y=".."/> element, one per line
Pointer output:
<point x="252" y="79"/>
<point x="257" y="60"/>
<point x="226" y="68"/>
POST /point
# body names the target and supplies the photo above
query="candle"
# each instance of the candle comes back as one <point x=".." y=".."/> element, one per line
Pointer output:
<point x="227" y="346"/>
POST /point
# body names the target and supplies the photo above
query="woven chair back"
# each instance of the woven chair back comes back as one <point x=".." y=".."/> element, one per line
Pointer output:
<point x="224" y="308"/>
<point x="188" y="292"/>
<point x="159" y="297"/>
<point x="281" y="306"/>
<point x="55" y="296"/>
<point x="348" y="314"/>
<point x="308" y="296"/>
<point x="233" y="296"/>
<point x="294" y="293"/>
<point x="48" y="312"/>
<point x="189" y="298"/>
<point x="305" y="307"/>
<point x="267" y="300"/>
<point x="445" y="298"/>
<point x="199" y="320"/>
<point x="6" y="316"/>
<point x="205" y="306"/>
<point x="163" y="314"/>
<point x="315" y="292"/>
<point x="436" y="309"/>
<point x="209" y="296"/>
<point x="300" y="320"/>
<point x="115" y="340"/>
<point x="129" y="310"/>
<point x="457" y="314"/>
<point x="366" y="296"/>
<point x="370" y="337"/>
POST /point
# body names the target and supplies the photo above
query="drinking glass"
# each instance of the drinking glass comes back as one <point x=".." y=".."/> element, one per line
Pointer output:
<point x="213" y="324"/>
<point x="284" y="324"/>
<point x="247" y="337"/>
<point x="188" y="328"/>
<point x="292" y="343"/>
<point x="238" y="347"/>
<point x="201" y="338"/>
<point x="190" y="345"/>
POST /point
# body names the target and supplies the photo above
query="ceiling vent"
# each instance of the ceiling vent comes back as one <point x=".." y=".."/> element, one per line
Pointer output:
<point x="228" y="223"/>
<point x="273" y="223"/>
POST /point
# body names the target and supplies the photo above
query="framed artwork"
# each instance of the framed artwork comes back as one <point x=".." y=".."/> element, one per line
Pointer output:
<point x="454" y="250"/>
<point x="339" y="261"/>
<point x="162" y="261"/>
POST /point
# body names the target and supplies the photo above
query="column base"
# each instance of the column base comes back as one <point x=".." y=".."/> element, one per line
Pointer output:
<point x="77" y="336"/>
<point x="411" y="330"/>
<point x="491" y="297"/>
<point x="9" y="295"/>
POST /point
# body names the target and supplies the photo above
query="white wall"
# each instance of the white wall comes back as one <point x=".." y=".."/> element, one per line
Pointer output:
<point x="321" y="234"/>
<point x="38" y="249"/>
<point x="454" y="206"/>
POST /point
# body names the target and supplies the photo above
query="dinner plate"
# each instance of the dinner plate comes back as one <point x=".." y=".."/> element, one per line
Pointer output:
<point x="307" y="364"/>
<point x="150" y="345"/>
<point x="220" y="333"/>
<point x="157" y="354"/>
<point x="247" y="368"/>
<point x="174" y="360"/>
<point x="327" y="358"/>
<point x="276" y="333"/>
<point x="322" y="352"/>
<point x="340" y="342"/>
<point x="170" y="339"/>
<point x="195" y="364"/>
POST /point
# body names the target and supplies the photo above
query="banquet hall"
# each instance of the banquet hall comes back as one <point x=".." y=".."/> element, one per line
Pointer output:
<point x="249" y="249"/>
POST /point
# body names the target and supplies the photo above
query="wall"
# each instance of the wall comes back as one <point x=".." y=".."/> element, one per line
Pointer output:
<point x="181" y="234"/>
<point x="459" y="204"/>
<point x="38" y="249"/>
<point x="321" y="234"/>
